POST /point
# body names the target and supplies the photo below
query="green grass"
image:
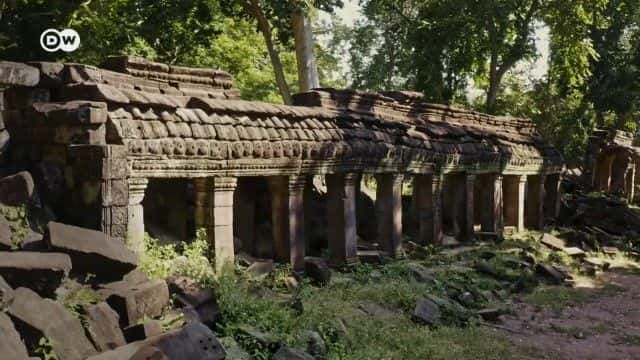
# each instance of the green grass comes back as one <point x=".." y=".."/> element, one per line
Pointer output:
<point x="557" y="297"/>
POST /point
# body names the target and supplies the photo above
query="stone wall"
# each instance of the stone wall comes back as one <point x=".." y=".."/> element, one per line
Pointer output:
<point x="108" y="136"/>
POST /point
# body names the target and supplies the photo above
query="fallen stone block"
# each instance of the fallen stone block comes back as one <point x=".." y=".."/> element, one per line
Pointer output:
<point x="11" y="347"/>
<point x="551" y="273"/>
<point x="201" y="302"/>
<point x="143" y="331"/>
<point x="6" y="240"/>
<point x="35" y="317"/>
<point x="12" y="73"/>
<point x="267" y="341"/>
<point x="315" y="344"/>
<point x="18" y="189"/>
<point x="317" y="269"/>
<point x="6" y="294"/>
<point x="193" y="342"/>
<point x="574" y="252"/>
<point x="287" y="353"/>
<point x="552" y="242"/>
<point x="189" y="291"/>
<point x="103" y="326"/>
<point x="427" y="312"/>
<point x="233" y="349"/>
<point x="260" y="268"/>
<point x="91" y="251"/>
<point x="146" y="300"/>
<point x="371" y="257"/>
<point x="42" y="272"/>
<point x="420" y="273"/>
<point x="490" y="314"/>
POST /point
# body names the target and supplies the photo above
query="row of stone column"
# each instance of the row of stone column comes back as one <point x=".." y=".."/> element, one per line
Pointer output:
<point x="500" y="202"/>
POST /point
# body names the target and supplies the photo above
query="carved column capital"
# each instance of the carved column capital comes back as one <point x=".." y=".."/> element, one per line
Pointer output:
<point x="225" y="183"/>
<point x="296" y="183"/>
<point x="137" y="188"/>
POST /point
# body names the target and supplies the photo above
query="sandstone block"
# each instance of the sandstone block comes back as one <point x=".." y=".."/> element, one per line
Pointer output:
<point x="6" y="294"/>
<point x="194" y="341"/>
<point x="317" y="269"/>
<point x="287" y="353"/>
<point x="6" y="241"/>
<point x="146" y="300"/>
<point x="36" y="317"/>
<point x="143" y="331"/>
<point x="103" y="326"/>
<point x="11" y="347"/>
<point x="91" y="251"/>
<point x="18" y="74"/>
<point x="427" y="312"/>
<point x="17" y="189"/>
<point x="41" y="272"/>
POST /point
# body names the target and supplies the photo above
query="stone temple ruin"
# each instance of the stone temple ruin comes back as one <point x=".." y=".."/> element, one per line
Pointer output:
<point x="612" y="162"/>
<point x="138" y="142"/>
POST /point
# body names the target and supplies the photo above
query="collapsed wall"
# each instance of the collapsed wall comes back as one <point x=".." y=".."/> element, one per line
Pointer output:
<point x="96" y="136"/>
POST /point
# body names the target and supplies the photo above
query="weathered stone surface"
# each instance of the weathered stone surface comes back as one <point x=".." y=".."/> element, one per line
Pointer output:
<point x="36" y="317"/>
<point x="287" y="353"/>
<point x="6" y="294"/>
<point x="233" y="349"/>
<point x="260" y="268"/>
<point x="551" y="273"/>
<point x="426" y="311"/>
<point x="315" y="344"/>
<point x="317" y="269"/>
<point x="146" y="330"/>
<point x="264" y="339"/>
<point x="103" y="326"/>
<point x="91" y="251"/>
<point x="194" y="341"/>
<point x="146" y="300"/>
<point x="201" y="302"/>
<point x="12" y="73"/>
<point x="41" y="272"/>
<point x="189" y="291"/>
<point x="11" y="347"/>
<point x="420" y="273"/>
<point x="17" y="189"/>
<point x="6" y="241"/>
<point x="552" y="242"/>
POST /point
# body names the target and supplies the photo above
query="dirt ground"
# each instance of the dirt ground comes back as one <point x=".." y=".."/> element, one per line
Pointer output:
<point x="593" y="323"/>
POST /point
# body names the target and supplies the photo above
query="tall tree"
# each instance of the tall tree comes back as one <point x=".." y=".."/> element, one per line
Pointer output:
<point x="285" y="20"/>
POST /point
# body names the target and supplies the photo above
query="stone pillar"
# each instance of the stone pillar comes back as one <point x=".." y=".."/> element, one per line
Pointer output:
<point x="534" y="213"/>
<point x="135" y="211"/>
<point x="341" y="216"/>
<point x="552" y="196"/>
<point x="619" y="168"/>
<point x="389" y="212"/>
<point x="491" y="194"/>
<point x="214" y="212"/>
<point x="469" y="219"/>
<point x="603" y="172"/>
<point x="631" y="183"/>
<point x="514" y="187"/>
<point x="288" y="219"/>
<point x="429" y="193"/>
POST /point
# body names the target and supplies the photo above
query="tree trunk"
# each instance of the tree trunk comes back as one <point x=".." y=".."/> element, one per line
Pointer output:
<point x="494" y="85"/>
<point x="307" y="68"/>
<point x="255" y="10"/>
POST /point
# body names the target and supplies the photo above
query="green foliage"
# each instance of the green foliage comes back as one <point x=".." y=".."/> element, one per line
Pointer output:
<point x="18" y="219"/>
<point x="45" y="349"/>
<point x="184" y="259"/>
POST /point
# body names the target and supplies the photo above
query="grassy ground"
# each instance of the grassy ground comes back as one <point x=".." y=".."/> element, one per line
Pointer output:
<point x="462" y="281"/>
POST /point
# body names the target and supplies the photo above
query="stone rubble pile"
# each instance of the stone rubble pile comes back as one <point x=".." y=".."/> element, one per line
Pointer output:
<point x="119" y="324"/>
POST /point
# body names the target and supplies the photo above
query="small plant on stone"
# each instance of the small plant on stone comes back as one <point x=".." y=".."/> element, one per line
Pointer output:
<point x="45" y="349"/>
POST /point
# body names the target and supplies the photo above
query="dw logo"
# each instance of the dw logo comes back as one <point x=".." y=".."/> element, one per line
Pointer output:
<point x="67" y="40"/>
